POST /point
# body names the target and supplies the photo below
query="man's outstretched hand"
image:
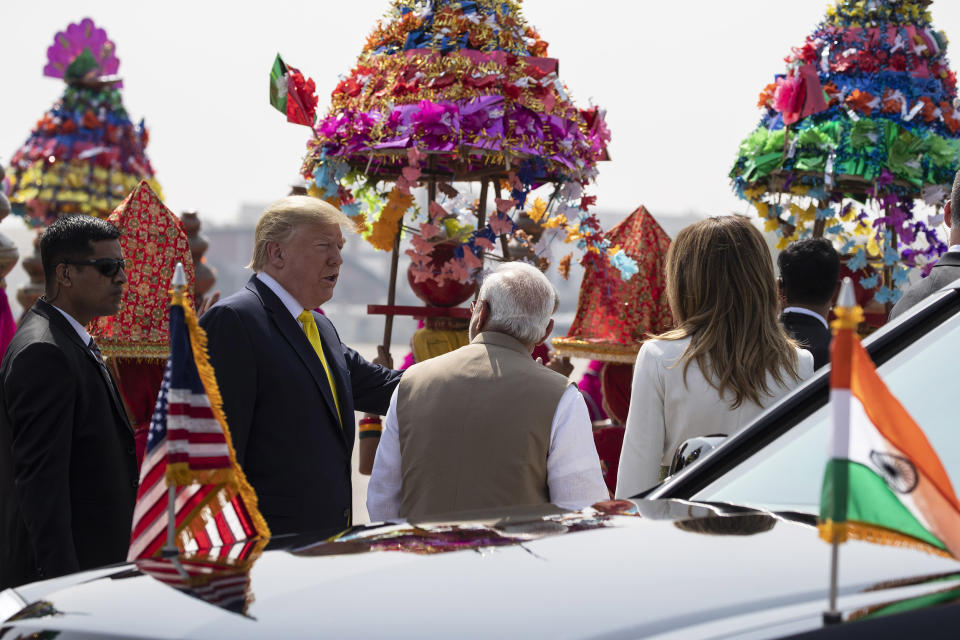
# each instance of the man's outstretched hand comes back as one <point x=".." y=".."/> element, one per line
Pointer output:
<point x="561" y="365"/>
<point x="384" y="359"/>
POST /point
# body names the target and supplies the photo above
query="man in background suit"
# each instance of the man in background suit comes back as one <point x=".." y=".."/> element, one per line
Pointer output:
<point x="68" y="468"/>
<point x="809" y="270"/>
<point x="289" y="386"/>
<point x="947" y="268"/>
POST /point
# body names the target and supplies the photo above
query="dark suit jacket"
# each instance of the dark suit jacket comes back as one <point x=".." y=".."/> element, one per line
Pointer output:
<point x="280" y="411"/>
<point x="943" y="273"/>
<point x="811" y="334"/>
<point x="68" y="468"/>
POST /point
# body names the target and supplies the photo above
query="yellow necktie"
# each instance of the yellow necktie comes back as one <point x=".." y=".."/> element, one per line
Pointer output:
<point x="313" y="335"/>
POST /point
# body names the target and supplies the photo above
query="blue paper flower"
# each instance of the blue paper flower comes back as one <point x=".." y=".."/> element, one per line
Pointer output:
<point x="625" y="264"/>
<point x="871" y="282"/>
<point x="890" y="255"/>
<point x="352" y="209"/>
<point x="858" y="261"/>
<point x="900" y="276"/>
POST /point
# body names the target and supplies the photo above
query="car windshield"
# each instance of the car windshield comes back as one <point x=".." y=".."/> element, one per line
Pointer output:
<point x="786" y="474"/>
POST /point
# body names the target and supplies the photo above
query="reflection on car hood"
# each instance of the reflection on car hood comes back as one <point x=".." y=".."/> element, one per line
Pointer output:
<point x="601" y="572"/>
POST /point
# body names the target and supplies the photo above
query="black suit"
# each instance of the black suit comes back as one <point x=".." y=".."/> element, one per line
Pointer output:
<point x="68" y="467"/>
<point x="943" y="273"/>
<point x="811" y="334"/>
<point x="280" y="410"/>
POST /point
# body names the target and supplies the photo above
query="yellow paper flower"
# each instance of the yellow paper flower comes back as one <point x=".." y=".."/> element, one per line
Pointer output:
<point x="556" y="221"/>
<point x="538" y="210"/>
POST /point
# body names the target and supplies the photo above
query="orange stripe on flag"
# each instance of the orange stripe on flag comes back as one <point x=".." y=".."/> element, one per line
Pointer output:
<point x="896" y="425"/>
<point x="840" y="359"/>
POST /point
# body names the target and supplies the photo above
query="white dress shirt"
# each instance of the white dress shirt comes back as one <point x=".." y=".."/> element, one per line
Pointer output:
<point x="79" y="328"/>
<point x="291" y="304"/>
<point x="664" y="412"/>
<point x="807" y="312"/>
<point x="574" y="478"/>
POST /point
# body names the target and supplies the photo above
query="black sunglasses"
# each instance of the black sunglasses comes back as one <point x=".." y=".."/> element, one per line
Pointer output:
<point x="108" y="267"/>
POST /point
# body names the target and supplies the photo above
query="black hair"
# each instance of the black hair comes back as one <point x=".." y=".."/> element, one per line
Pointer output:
<point x="69" y="238"/>
<point x="809" y="270"/>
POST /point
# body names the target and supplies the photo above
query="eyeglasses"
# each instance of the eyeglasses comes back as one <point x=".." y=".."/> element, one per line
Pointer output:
<point x="108" y="267"/>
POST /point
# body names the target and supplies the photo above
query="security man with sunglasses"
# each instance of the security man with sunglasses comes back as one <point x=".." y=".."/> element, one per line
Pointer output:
<point x="68" y="468"/>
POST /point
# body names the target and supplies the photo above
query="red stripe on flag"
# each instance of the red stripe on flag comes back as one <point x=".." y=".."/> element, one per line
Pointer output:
<point x="154" y="474"/>
<point x="227" y="535"/>
<point x="156" y="510"/>
<point x="203" y="540"/>
<point x="194" y="437"/>
<point x="190" y="411"/>
<point x="240" y="508"/>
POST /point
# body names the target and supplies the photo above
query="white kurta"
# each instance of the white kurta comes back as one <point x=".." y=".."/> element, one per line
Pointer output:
<point x="664" y="412"/>
<point x="574" y="477"/>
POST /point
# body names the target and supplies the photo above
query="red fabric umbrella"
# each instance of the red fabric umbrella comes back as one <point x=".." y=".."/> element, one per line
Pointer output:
<point x="613" y="316"/>
<point x="136" y="340"/>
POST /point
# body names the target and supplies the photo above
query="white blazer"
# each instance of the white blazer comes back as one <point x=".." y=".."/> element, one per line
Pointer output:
<point x="664" y="412"/>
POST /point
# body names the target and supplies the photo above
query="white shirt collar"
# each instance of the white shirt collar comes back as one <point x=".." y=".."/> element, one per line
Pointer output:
<point x="79" y="328"/>
<point x="294" y="307"/>
<point x="954" y="248"/>
<point x="807" y="312"/>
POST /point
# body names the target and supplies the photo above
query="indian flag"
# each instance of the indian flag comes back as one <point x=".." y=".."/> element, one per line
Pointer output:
<point x="884" y="482"/>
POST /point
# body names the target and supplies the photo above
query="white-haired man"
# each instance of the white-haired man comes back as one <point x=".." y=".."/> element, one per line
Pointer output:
<point x="486" y="426"/>
<point x="289" y="385"/>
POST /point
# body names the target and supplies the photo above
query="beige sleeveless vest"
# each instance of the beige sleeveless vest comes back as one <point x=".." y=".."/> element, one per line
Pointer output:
<point x="474" y="427"/>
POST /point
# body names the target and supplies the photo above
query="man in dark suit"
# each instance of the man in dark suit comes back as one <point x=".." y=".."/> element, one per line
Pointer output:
<point x="809" y="270"/>
<point x="68" y="468"/>
<point x="289" y="386"/>
<point x="947" y="268"/>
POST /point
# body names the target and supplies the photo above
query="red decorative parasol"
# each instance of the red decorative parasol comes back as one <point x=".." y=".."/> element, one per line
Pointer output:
<point x="154" y="239"/>
<point x="614" y="316"/>
<point x="136" y="340"/>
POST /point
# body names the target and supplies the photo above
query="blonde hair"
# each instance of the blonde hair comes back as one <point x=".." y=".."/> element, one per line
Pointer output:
<point x="723" y="295"/>
<point x="283" y="217"/>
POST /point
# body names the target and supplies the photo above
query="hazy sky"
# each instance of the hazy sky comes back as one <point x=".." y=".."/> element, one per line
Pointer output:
<point x="679" y="80"/>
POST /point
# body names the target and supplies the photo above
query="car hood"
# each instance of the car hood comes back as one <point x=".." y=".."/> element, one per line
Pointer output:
<point x="603" y="572"/>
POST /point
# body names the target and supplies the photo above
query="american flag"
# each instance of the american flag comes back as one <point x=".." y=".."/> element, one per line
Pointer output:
<point x="220" y="578"/>
<point x="188" y="446"/>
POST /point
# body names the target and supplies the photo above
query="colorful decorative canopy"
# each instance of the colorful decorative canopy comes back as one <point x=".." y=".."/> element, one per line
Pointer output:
<point x="84" y="155"/>
<point x="466" y="80"/>
<point x="458" y="90"/>
<point x="614" y="317"/>
<point x="154" y="239"/>
<point x="864" y="114"/>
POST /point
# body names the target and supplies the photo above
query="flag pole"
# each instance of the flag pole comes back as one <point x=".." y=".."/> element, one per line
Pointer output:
<point x="848" y="316"/>
<point x="179" y="284"/>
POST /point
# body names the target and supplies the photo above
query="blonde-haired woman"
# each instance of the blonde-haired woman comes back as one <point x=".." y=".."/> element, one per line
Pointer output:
<point x="727" y="359"/>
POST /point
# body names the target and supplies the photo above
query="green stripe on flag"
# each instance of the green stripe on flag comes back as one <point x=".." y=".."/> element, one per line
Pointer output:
<point x="278" y="85"/>
<point x="913" y="604"/>
<point x="857" y="494"/>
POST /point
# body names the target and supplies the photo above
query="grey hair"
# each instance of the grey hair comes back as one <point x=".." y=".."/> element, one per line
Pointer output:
<point x="521" y="301"/>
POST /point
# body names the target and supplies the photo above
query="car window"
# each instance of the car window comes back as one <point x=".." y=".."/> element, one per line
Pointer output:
<point x="787" y="473"/>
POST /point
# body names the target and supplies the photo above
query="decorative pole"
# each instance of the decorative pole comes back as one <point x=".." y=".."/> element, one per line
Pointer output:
<point x="179" y="284"/>
<point x="849" y="316"/>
